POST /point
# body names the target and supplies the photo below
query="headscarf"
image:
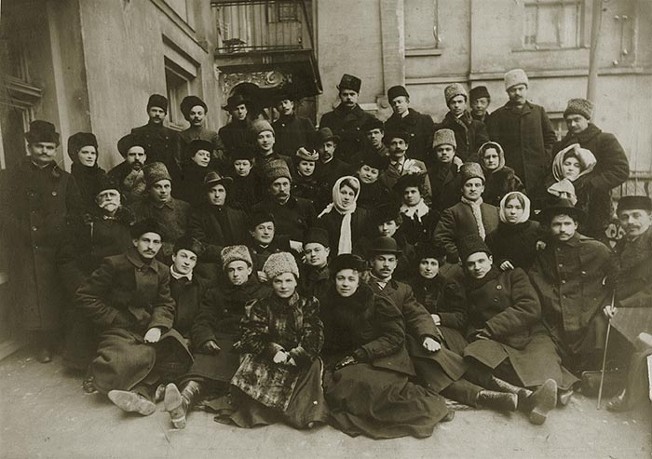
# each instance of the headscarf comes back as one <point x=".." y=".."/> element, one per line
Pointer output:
<point x="345" y="244"/>
<point x="501" y="155"/>
<point x="585" y="157"/>
<point x="525" y="201"/>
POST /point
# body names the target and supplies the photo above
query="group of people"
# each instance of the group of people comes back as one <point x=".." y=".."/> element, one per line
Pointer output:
<point x="356" y="275"/>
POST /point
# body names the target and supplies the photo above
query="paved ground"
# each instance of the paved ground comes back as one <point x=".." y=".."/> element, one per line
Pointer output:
<point x="45" y="414"/>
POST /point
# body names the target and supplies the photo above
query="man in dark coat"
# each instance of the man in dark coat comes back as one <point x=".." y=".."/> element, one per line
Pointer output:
<point x="128" y="299"/>
<point x="194" y="111"/>
<point x="315" y="275"/>
<point x="400" y="165"/>
<point x="479" y="101"/>
<point x="509" y="347"/>
<point x="420" y="127"/>
<point x="128" y="175"/>
<point x="236" y="134"/>
<point x="443" y="171"/>
<point x="569" y="276"/>
<point x="373" y="145"/>
<point x="330" y="167"/>
<point x="38" y="200"/>
<point x="347" y="119"/>
<point x="162" y="144"/>
<point x="525" y="133"/>
<point x="292" y="131"/>
<point x="611" y="169"/>
<point x="469" y="132"/>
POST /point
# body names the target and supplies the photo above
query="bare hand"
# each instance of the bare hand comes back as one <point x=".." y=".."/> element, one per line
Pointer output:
<point x="296" y="246"/>
<point x="436" y="319"/>
<point x="348" y="360"/>
<point x="280" y="357"/>
<point x="211" y="347"/>
<point x="290" y="361"/>
<point x="262" y="277"/>
<point x="506" y="265"/>
<point x="431" y="345"/>
<point x="153" y="335"/>
<point x="540" y="245"/>
<point x="609" y="311"/>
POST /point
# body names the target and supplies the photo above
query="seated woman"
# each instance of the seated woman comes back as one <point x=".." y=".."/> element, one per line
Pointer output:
<point x="500" y="179"/>
<point x="82" y="150"/>
<point x="419" y="220"/>
<point x="506" y="335"/>
<point x="214" y="331"/>
<point x="197" y="163"/>
<point x="367" y="374"/>
<point x="344" y="221"/>
<point x="514" y="242"/>
<point x="279" y="378"/>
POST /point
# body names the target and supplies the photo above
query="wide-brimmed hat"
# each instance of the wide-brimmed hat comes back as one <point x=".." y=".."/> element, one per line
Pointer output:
<point x="561" y="207"/>
<point x="212" y="178"/>
<point x="235" y="100"/>
<point x="383" y="244"/>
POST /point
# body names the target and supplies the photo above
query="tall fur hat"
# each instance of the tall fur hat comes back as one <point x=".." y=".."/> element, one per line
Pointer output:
<point x="154" y="172"/>
<point x="189" y="102"/>
<point x="279" y="263"/>
<point x="453" y="90"/>
<point x="157" y="100"/>
<point x="579" y="107"/>
<point x="514" y="77"/>
<point x="233" y="253"/>
<point x="79" y="140"/>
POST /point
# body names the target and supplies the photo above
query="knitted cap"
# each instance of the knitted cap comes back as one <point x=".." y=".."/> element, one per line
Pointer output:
<point x="514" y="77"/>
<point x="471" y="170"/>
<point x="42" y="131"/>
<point x="188" y="243"/>
<point x="303" y="154"/>
<point x="259" y="126"/>
<point x="634" y="203"/>
<point x="129" y="141"/>
<point x="444" y="137"/>
<point x="579" y="107"/>
<point x="79" y="140"/>
<point x="350" y="82"/>
<point x="279" y="263"/>
<point x="471" y="244"/>
<point x="157" y="100"/>
<point x="479" y="92"/>
<point x="396" y="91"/>
<point x="233" y="253"/>
<point x="453" y="90"/>
<point x="316" y="235"/>
<point x="155" y="172"/>
<point x="189" y="102"/>
<point x="148" y="225"/>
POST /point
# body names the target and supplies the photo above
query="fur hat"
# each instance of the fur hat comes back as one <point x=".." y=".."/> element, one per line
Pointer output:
<point x="383" y="244"/>
<point x="453" y="90"/>
<point x="104" y="182"/>
<point x="198" y="144"/>
<point x="212" y="178"/>
<point x="234" y="101"/>
<point x="514" y="77"/>
<point x="561" y="207"/>
<point x="372" y="123"/>
<point x="279" y="263"/>
<point x="157" y="100"/>
<point x="471" y="244"/>
<point x="79" y="140"/>
<point x="410" y="180"/>
<point x="243" y="152"/>
<point x="385" y="213"/>
<point x="316" y="235"/>
<point x="444" y="137"/>
<point x="398" y="133"/>
<point x="155" y="172"/>
<point x="42" y="131"/>
<point x="233" y="253"/>
<point x="148" y="225"/>
<point x="303" y="154"/>
<point x="259" y="126"/>
<point x="479" y="92"/>
<point x="347" y="261"/>
<point x="287" y="92"/>
<point x="396" y="91"/>
<point x="188" y="242"/>
<point x="129" y="141"/>
<point x="188" y="103"/>
<point x="276" y="169"/>
<point x="634" y="203"/>
<point x="429" y="250"/>
<point x="374" y="160"/>
<point x="350" y="82"/>
<point x="258" y="217"/>
<point x="579" y="107"/>
<point x="469" y="171"/>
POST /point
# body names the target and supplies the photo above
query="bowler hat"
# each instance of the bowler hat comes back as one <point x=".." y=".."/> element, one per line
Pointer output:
<point x="384" y="244"/>
<point x="42" y="131"/>
<point x="235" y="100"/>
<point x="157" y="100"/>
<point x="79" y="140"/>
<point x="189" y="102"/>
<point x="350" y="82"/>
<point x="634" y="203"/>
<point x="396" y="91"/>
<point x="561" y="207"/>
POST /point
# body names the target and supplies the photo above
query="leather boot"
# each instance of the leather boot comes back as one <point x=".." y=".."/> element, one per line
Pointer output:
<point x="619" y="403"/>
<point x="499" y="401"/>
<point x="503" y="386"/>
<point x="131" y="402"/>
<point x="542" y="401"/>
<point x="179" y="403"/>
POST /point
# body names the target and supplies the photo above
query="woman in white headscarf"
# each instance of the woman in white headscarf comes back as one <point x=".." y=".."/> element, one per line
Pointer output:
<point x="569" y="169"/>
<point x="344" y="221"/>
<point x="514" y="242"/>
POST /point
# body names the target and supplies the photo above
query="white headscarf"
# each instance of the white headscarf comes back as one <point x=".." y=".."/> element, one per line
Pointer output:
<point x="345" y="244"/>
<point x="525" y="201"/>
<point x="585" y="157"/>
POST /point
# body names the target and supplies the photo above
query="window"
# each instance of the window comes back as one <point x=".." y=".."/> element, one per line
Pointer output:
<point x="421" y="25"/>
<point x="181" y="79"/>
<point x="287" y="11"/>
<point x="553" y="24"/>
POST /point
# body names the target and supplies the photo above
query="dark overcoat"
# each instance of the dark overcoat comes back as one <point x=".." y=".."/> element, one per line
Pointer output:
<point x="87" y="180"/>
<point x="445" y="183"/>
<point x="161" y="144"/>
<point x="292" y="218"/>
<point x="499" y="183"/>
<point x="292" y="132"/>
<point x="190" y="185"/>
<point x="124" y="298"/>
<point x="332" y="222"/>
<point x="515" y="243"/>
<point x="527" y="138"/>
<point x="37" y="207"/>
<point x="634" y="278"/>
<point x="172" y="216"/>
<point x="346" y="124"/>
<point x="420" y="126"/>
<point x="235" y="136"/>
<point x="216" y="227"/>
<point x="469" y="134"/>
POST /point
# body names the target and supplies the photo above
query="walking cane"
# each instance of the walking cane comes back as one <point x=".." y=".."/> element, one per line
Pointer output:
<point x="604" y="354"/>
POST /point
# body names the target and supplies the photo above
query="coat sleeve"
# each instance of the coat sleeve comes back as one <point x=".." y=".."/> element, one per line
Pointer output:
<point x="312" y="334"/>
<point x="211" y="252"/>
<point x="391" y="337"/>
<point x="255" y="331"/>
<point x="418" y="322"/>
<point x="481" y="136"/>
<point x="209" y="315"/>
<point x="524" y="311"/>
<point x="613" y="164"/>
<point x="164" y="307"/>
<point x="445" y="235"/>
<point x="453" y="311"/>
<point x="92" y="293"/>
<point x="549" y="136"/>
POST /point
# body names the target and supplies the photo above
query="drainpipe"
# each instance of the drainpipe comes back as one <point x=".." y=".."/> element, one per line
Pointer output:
<point x="594" y="51"/>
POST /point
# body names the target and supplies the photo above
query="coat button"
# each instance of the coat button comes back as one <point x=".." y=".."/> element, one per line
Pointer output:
<point x="561" y="265"/>
<point x="499" y="287"/>
<point x="54" y="193"/>
<point x="34" y="228"/>
<point x="563" y="281"/>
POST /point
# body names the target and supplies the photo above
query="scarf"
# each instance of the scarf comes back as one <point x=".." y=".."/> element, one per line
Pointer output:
<point x="419" y="210"/>
<point x="585" y="157"/>
<point x="501" y="156"/>
<point x="477" y="215"/>
<point x="345" y="244"/>
<point x="509" y="197"/>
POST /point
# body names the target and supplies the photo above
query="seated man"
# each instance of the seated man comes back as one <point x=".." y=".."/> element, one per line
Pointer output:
<point x="632" y="310"/>
<point x="315" y="275"/>
<point x="129" y="175"/>
<point x="506" y="336"/>
<point x="569" y="278"/>
<point x="128" y="299"/>
<point x="263" y="241"/>
<point x="399" y="164"/>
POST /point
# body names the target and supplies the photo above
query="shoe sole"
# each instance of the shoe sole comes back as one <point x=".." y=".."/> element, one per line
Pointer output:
<point x="544" y="400"/>
<point x="130" y="402"/>
<point x="173" y="403"/>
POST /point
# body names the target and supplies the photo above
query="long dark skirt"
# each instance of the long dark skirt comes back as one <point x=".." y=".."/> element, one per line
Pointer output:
<point x="381" y="403"/>
<point x="307" y="405"/>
